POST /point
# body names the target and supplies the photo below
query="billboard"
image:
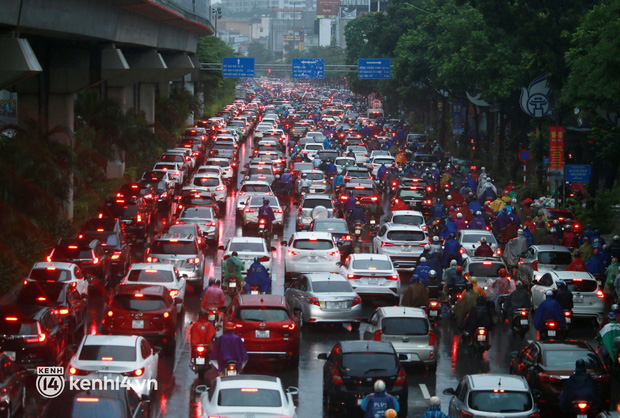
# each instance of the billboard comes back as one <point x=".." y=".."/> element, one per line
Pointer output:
<point x="327" y="8"/>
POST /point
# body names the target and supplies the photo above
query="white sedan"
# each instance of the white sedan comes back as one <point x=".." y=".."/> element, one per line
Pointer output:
<point x="249" y="248"/>
<point x="165" y="275"/>
<point x="250" y="213"/>
<point x="209" y="183"/>
<point x="248" y="395"/>
<point x="251" y="188"/>
<point x="129" y="358"/>
<point x="59" y="272"/>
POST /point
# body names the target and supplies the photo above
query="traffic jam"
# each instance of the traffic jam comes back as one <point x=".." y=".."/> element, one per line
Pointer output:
<point x="302" y="254"/>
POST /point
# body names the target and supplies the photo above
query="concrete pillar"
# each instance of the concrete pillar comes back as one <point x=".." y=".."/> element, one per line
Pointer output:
<point x="60" y="112"/>
<point x="164" y="88"/>
<point x="28" y="107"/>
<point x="147" y="101"/>
<point x="122" y="94"/>
<point x="189" y="86"/>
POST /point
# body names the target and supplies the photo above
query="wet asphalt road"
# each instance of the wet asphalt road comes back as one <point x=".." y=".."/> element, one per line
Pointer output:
<point x="175" y="397"/>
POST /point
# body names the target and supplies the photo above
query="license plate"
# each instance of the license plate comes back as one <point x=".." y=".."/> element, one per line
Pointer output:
<point x="211" y="317"/>
<point x="433" y="313"/>
<point x="482" y="338"/>
<point x="253" y="292"/>
<point x="372" y="221"/>
<point x="232" y="284"/>
<point x="313" y="260"/>
<point x="568" y="320"/>
<point x="137" y="323"/>
<point x="373" y="281"/>
<point x="406" y="248"/>
<point x="261" y="226"/>
<point x="359" y="401"/>
<point x="200" y="360"/>
<point x="262" y="334"/>
<point x="337" y="305"/>
<point x="578" y="298"/>
<point x="551" y="333"/>
<point x="582" y="416"/>
<point x="524" y="322"/>
<point x="358" y="231"/>
<point x="10" y="354"/>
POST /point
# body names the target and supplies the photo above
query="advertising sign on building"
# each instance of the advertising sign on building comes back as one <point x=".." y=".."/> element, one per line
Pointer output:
<point x="327" y="8"/>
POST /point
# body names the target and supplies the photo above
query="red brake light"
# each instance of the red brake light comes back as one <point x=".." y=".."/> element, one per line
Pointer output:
<point x="293" y="252"/>
<point x="433" y="339"/>
<point x="600" y="294"/>
<point x="401" y="378"/>
<point x="377" y="335"/>
<point x="200" y="349"/>
<point x="313" y="301"/>
<point x="535" y="265"/>
<point x="387" y="244"/>
<point x="135" y="373"/>
<point x="356" y="301"/>
<point x="166" y="314"/>
<point x="337" y="379"/>
<point x="174" y="293"/>
<point x="551" y="325"/>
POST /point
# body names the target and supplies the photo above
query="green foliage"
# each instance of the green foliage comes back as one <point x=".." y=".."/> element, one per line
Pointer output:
<point x="601" y="213"/>
<point x="260" y="54"/>
<point x="217" y="90"/>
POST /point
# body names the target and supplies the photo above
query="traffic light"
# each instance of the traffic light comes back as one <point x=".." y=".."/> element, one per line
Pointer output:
<point x="269" y="71"/>
<point x="219" y="12"/>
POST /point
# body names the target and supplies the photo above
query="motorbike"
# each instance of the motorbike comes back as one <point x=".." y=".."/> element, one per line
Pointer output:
<point x="551" y="331"/>
<point x="374" y="224"/>
<point x="358" y="228"/>
<point x="231" y="368"/>
<point x="254" y="290"/>
<point x="480" y="341"/>
<point x="520" y="323"/>
<point x="433" y="309"/>
<point x="501" y="312"/>
<point x="263" y="231"/>
<point x="568" y="317"/>
<point x="234" y="287"/>
<point x="454" y="294"/>
<point x="199" y="361"/>
<point x="582" y="409"/>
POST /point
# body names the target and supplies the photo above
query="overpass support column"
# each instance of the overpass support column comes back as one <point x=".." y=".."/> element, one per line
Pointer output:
<point x="146" y="101"/>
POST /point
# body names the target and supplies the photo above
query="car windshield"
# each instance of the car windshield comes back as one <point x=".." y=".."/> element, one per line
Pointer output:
<point x="108" y="353"/>
<point x="404" y="326"/>
<point x="368" y="360"/>
<point x="555" y="257"/>
<point x="250" y="397"/>
<point x="310" y="203"/>
<point x="197" y="213"/>
<point x="475" y="238"/>
<point x="313" y="244"/>
<point x="386" y="161"/>
<point x="72" y="253"/>
<point x="408" y="219"/>
<point x="372" y="264"/>
<point x="406" y="235"/>
<point x="580" y="285"/>
<point x="44" y="294"/>
<point x="331" y="226"/>
<point x="361" y="191"/>
<point x="50" y="274"/>
<point x="485" y="269"/>
<point x="268" y="314"/>
<point x="174" y="247"/>
<point x="151" y="276"/>
<point x="315" y="176"/>
<point x="258" y="201"/>
<point x="565" y="359"/>
<point x="109" y="238"/>
<point x="206" y="181"/>
<point x="255" y="247"/>
<point x="331" y="287"/>
<point x="138" y="303"/>
<point x="500" y="401"/>
<point x="219" y="163"/>
<point x="357" y="173"/>
<point x="418" y="193"/>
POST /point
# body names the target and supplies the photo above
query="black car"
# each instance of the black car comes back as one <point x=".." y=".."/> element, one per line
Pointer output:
<point x="12" y="387"/>
<point x="66" y="302"/>
<point x="89" y="255"/>
<point x="351" y="369"/>
<point x="115" y="246"/>
<point x="119" y="403"/>
<point x="136" y="218"/>
<point x="32" y="336"/>
<point x="417" y="197"/>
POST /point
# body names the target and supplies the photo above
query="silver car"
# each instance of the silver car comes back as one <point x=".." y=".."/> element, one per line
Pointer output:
<point x="206" y="220"/>
<point x="542" y="257"/>
<point x="183" y="252"/>
<point x="470" y="241"/>
<point x="325" y="297"/>
<point x="312" y="207"/>
<point x="403" y="243"/>
<point x="492" y="395"/>
<point x="409" y="331"/>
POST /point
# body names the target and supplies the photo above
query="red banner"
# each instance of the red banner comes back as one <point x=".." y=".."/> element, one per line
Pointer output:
<point x="556" y="148"/>
<point x="327" y="8"/>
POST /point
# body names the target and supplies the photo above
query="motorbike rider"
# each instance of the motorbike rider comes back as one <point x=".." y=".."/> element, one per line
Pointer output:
<point x="477" y="288"/>
<point x="213" y="296"/>
<point x="202" y="331"/>
<point x="232" y="267"/>
<point x="433" y="286"/>
<point x="422" y="270"/>
<point x="357" y="214"/>
<point x="398" y="204"/>
<point x="484" y="249"/>
<point x="304" y="183"/>
<point x="331" y="169"/>
<point x="502" y="286"/>
<point x="265" y="212"/>
<point x="518" y="299"/>
<point x="549" y="309"/>
<point x="460" y="222"/>
<point x="229" y="346"/>
<point x="437" y="210"/>
<point x="375" y="210"/>
<point x="451" y="250"/>
<point x="434" y="410"/>
<point x="449" y="273"/>
<point x="416" y="294"/>
<point x="436" y="246"/>
<point x="569" y="238"/>
<point x="564" y="296"/>
<point x="455" y="280"/>
<point x="257" y="275"/>
<point x="580" y="386"/>
<point x="465" y="303"/>
<point x="605" y="337"/>
<point x="375" y="404"/>
<point x="381" y="172"/>
<point x="338" y="182"/>
<point x="449" y="229"/>
<point x="577" y="264"/>
<point x="477" y="317"/>
<point x="478" y="222"/>
<point x="514" y="248"/>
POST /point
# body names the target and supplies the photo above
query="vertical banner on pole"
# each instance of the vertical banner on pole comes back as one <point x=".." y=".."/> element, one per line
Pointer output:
<point x="556" y="148"/>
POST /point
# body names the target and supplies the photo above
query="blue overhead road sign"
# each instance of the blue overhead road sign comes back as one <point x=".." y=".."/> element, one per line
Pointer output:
<point x="308" y="68"/>
<point x="237" y="67"/>
<point x="378" y="68"/>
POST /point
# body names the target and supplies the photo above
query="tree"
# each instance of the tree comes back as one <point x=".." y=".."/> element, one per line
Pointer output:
<point x="260" y="54"/>
<point x="216" y="89"/>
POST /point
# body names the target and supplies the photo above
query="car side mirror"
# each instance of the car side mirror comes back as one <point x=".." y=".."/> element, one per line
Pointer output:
<point x="402" y="357"/>
<point x="534" y="281"/>
<point x="200" y="389"/>
<point x="292" y="390"/>
<point x="322" y="356"/>
<point x="272" y="249"/>
<point x="283" y="243"/>
<point x="220" y="247"/>
<point x="448" y="391"/>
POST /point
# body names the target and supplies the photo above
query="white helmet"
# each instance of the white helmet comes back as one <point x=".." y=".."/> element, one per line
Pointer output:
<point x="427" y="247"/>
<point x="422" y="259"/>
<point x="453" y="263"/>
<point x="449" y="197"/>
<point x="459" y="215"/>
<point x="379" y="386"/>
<point x="435" y="400"/>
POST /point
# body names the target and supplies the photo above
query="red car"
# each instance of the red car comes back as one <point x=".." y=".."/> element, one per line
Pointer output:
<point x="268" y="327"/>
<point x="146" y="310"/>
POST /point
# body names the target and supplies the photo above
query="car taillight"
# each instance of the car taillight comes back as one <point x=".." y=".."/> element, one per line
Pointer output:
<point x="498" y="252"/>
<point x="249" y="210"/>
<point x="465" y="414"/>
<point x="293" y="252"/>
<point x="95" y="260"/>
<point x="356" y="301"/>
<point x="535" y="265"/>
<point x="220" y="188"/>
<point x="152" y="259"/>
<point x="313" y="301"/>
<point x="116" y="255"/>
<point x="277" y="210"/>
<point x="333" y="253"/>
<point x="62" y="311"/>
<point x="110" y="313"/>
<point x="462" y="250"/>
<point x="166" y="315"/>
<point x="393" y="277"/>
<point x="264" y="258"/>
<point x="534" y="415"/>
<point x="377" y="335"/>
<point x="38" y="339"/>
<point x="139" y="218"/>
<point x="337" y="379"/>
<point x="194" y="260"/>
<point x="174" y="293"/>
<point x="135" y="373"/>
<point x="77" y="372"/>
<point x="600" y="294"/>
<point x="351" y="276"/>
<point x="387" y="244"/>
<point x="401" y="378"/>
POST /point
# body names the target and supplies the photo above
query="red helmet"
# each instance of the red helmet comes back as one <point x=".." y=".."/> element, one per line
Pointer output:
<point x="502" y="272"/>
<point x="229" y="326"/>
<point x="459" y="269"/>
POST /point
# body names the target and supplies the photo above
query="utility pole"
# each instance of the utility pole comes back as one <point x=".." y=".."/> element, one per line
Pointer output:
<point x="216" y="14"/>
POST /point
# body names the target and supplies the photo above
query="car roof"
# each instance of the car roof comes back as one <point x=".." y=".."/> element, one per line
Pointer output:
<point x="392" y="226"/>
<point x="318" y="196"/>
<point x="55" y="264"/>
<point x="495" y="381"/>
<point x="571" y="275"/>
<point x="550" y="248"/>
<point x="566" y="345"/>
<point x="475" y="232"/>
<point x="312" y="234"/>
<point x="248" y="380"/>
<point x="262" y="300"/>
<point x="329" y="220"/>
<point x="151" y="266"/>
<point x="326" y="277"/>
<point x="247" y="239"/>
<point x="178" y="237"/>
<point x="369" y="256"/>
<point x="124" y="340"/>
<point x="366" y="346"/>
<point x="406" y="212"/>
<point x="400" y="311"/>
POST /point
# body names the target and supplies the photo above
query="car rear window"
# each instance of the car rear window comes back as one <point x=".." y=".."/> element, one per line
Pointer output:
<point x="44" y="294"/>
<point x="372" y="265"/>
<point x="357" y="173"/>
<point x="329" y="226"/>
<point x="580" y="285"/>
<point x="206" y="181"/>
<point x="555" y="257"/>
<point x="369" y="360"/>
<point x="197" y="213"/>
<point x="473" y="238"/>
<point x="109" y="238"/>
<point x="313" y="244"/>
<point x="418" y="193"/>
<point x="12" y="325"/>
<point x="150" y="276"/>
<point x="197" y="200"/>
<point x="53" y="274"/>
<point x="263" y="314"/>
<point x="313" y="203"/>
<point x="313" y="146"/>
<point x="94" y="407"/>
<point x="565" y="359"/>
<point x="500" y="401"/>
<point x="260" y="188"/>
<point x="258" y="201"/>
<point x="249" y="397"/>
<point x="406" y="236"/>
<point x="173" y="158"/>
<point x="108" y="352"/>
<point x="329" y="287"/>
<point x="68" y="254"/>
<point x="315" y="176"/>
<point x="404" y="326"/>
<point x="174" y="247"/>
<point x="219" y="163"/>
<point x="144" y="303"/>
<point x="257" y="247"/>
<point x="385" y="161"/>
<point x="485" y="269"/>
<point x="408" y="219"/>
<point x="361" y="191"/>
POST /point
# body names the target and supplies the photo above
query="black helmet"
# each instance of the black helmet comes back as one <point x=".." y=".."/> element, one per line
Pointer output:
<point x="469" y="286"/>
<point x="203" y="314"/>
<point x="265" y="201"/>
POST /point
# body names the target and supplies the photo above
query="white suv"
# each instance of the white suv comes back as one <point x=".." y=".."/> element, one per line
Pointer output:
<point x="587" y="296"/>
<point x="402" y="243"/>
<point x="311" y="252"/>
<point x="372" y="274"/>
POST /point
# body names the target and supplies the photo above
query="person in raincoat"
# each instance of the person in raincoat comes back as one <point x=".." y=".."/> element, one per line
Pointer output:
<point x="232" y="267"/>
<point x="577" y="264"/>
<point x="258" y="275"/>
<point x="449" y="229"/>
<point x="451" y="250"/>
<point x="416" y="294"/>
<point x="464" y="304"/>
<point x="605" y="337"/>
<point x="610" y="276"/>
<point x="586" y="251"/>
<point x="422" y="270"/>
<point x="514" y="248"/>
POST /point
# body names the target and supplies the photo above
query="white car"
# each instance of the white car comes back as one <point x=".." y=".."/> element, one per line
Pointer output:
<point x="250" y="188"/>
<point x="249" y="248"/>
<point x="360" y="152"/>
<point x="228" y="167"/>
<point x="343" y="162"/>
<point x="175" y="171"/>
<point x="375" y="163"/>
<point x="311" y="149"/>
<point x="372" y="275"/>
<point x="470" y="241"/>
<point x="59" y="272"/>
<point x="210" y="183"/>
<point x="247" y="395"/>
<point x="250" y="213"/>
<point x="127" y="357"/>
<point x="311" y="252"/>
<point x="588" y="298"/>
<point x="318" y="182"/>
<point x="209" y="170"/>
<point x="165" y="275"/>
<point x="402" y="243"/>
<point x="408" y="217"/>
